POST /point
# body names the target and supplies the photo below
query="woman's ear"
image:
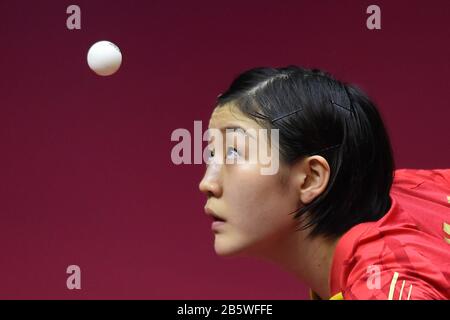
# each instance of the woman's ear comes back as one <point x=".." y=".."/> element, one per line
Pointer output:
<point x="311" y="177"/>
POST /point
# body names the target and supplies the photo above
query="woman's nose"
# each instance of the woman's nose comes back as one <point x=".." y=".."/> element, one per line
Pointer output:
<point x="210" y="184"/>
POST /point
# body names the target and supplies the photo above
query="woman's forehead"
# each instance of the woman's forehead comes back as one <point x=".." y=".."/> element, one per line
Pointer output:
<point x="228" y="115"/>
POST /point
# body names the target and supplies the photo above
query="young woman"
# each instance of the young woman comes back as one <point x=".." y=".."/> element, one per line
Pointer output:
<point x="336" y="213"/>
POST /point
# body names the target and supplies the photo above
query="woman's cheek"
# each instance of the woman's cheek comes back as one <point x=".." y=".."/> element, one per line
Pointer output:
<point x="251" y="196"/>
<point x="243" y="187"/>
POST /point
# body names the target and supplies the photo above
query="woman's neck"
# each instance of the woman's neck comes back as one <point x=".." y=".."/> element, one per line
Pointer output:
<point x="310" y="260"/>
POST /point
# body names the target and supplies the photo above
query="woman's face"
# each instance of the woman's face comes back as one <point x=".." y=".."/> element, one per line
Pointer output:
<point x="255" y="207"/>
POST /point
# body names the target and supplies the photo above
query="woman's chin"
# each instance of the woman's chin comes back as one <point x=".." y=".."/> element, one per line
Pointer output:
<point x="225" y="248"/>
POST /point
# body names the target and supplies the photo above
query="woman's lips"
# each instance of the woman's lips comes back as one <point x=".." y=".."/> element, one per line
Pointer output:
<point x="216" y="225"/>
<point x="218" y="221"/>
<point x="213" y="215"/>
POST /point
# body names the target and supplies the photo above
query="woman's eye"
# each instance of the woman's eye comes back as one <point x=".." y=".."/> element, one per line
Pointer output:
<point x="211" y="154"/>
<point x="232" y="152"/>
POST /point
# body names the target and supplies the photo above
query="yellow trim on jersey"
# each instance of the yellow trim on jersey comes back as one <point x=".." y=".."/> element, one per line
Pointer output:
<point x="392" y="286"/>
<point x="337" y="296"/>
<point x="315" y="296"/>
<point x="446" y="228"/>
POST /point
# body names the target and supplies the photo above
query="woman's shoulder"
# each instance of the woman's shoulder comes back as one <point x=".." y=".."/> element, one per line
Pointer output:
<point x="409" y="177"/>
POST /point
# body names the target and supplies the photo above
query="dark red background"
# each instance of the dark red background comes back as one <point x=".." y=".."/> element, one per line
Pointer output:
<point x="86" y="176"/>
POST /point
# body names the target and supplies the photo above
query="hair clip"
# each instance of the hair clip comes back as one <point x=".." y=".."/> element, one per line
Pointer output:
<point x="264" y="117"/>
<point x="338" y="105"/>
<point x="285" y="115"/>
<point x="259" y="115"/>
<point x="295" y="111"/>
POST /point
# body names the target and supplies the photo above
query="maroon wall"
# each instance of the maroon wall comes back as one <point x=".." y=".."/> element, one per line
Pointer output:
<point x="86" y="176"/>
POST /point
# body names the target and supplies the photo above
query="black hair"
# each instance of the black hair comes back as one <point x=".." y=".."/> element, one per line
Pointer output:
<point x="317" y="114"/>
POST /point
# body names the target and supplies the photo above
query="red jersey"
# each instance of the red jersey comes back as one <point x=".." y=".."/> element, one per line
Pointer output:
<point x="406" y="254"/>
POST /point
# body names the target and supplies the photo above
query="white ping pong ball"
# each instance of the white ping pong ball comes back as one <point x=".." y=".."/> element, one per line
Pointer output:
<point x="104" y="58"/>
